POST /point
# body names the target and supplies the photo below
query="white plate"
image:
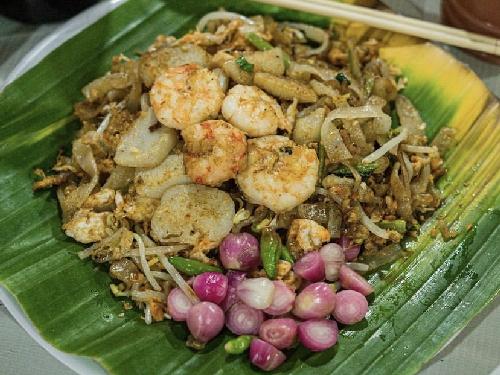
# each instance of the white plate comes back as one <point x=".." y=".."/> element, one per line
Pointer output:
<point x="67" y="30"/>
<point x="81" y="365"/>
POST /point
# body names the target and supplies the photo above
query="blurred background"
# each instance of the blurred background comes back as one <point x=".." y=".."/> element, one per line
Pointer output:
<point x="27" y="24"/>
<point x="43" y="11"/>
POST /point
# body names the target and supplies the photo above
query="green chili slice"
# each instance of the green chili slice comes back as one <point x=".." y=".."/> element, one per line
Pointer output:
<point x="191" y="267"/>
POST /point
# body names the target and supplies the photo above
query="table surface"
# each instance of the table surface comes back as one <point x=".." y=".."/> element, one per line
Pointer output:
<point x="476" y="350"/>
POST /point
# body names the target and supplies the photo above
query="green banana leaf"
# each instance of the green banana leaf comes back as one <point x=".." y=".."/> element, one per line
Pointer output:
<point x="420" y="303"/>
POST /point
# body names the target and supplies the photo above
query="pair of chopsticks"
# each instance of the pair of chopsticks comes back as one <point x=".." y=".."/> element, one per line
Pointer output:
<point x="393" y="22"/>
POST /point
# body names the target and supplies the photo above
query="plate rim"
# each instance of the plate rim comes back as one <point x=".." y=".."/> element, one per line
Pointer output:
<point x="80" y="364"/>
<point x="61" y="34"/>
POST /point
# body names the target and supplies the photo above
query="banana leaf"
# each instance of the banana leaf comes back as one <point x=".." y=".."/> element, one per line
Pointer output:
<point x="420" y="303"/>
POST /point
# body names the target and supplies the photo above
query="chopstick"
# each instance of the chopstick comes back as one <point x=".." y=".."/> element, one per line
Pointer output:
<point x="393" y="22"/>
<point x="407" y="20"/>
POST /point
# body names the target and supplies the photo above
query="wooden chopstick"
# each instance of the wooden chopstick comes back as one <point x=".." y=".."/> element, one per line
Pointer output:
<point x="407" y="20"/>
<point x="392" y="22"/>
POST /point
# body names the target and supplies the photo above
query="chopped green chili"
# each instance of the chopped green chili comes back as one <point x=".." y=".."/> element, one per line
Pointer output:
<point x="270" y="249"/>
<point x="263" y="45"/>
<point x="258" y="42"/>
<point x="398" y="225"/>
<point x="364" y="170"/>
<point x="286" y="255"/>
<point x="238" y="345"/>
<point x="192" y="267"/>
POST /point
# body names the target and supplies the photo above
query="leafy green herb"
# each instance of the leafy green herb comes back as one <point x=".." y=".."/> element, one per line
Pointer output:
<point x="342" y="78"/>
<point x="244" y="64"/>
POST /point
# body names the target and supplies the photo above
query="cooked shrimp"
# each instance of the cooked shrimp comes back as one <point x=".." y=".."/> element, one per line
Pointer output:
<point x="193" y="214"/>
<point x="253" y="111"/>
<point x="186" y="95"/>
<point x="214" y="151"/>
<point x="280" y="174"/>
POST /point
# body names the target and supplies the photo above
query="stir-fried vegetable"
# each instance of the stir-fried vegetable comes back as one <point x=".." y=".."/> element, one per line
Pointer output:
<point x="270" y="251"/>
<point x="192" y="267"/>
<point x="285" y="254"/>
<point x="238" y="345"/>
<point x="263" y="45"/>
<point x="364" y="170"/>
<point x="258" y="42"/>
<point x="397" y="225"/>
